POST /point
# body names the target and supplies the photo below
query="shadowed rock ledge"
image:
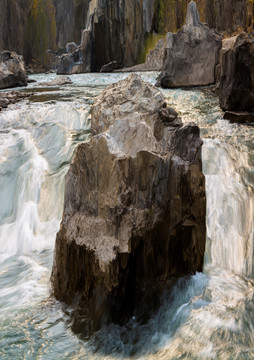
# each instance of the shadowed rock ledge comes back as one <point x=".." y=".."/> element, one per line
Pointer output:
<point x="134" y="210"/>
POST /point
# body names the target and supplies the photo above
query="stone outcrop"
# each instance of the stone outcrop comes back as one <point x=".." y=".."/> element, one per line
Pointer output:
<point x="237" y="74"/>
<point x="134" y="209"/>
<point x="12" y="70"/>
<point x="191" y="55"/>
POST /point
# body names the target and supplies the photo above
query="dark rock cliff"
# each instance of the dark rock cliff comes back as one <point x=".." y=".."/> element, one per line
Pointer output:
<point x="135" y="209"/>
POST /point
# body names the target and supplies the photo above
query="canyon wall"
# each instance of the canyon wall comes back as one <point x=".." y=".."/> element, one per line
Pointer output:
<point x="121" y="27"/>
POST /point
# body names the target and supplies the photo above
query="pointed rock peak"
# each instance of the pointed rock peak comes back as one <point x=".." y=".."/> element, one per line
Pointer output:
<point x="192" y="18"/>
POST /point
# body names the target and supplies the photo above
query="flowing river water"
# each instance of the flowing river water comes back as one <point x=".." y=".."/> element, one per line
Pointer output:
<point x="209" y="315"/>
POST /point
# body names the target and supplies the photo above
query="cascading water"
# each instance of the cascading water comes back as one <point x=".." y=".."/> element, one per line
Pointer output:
<point x="209" y="315"/>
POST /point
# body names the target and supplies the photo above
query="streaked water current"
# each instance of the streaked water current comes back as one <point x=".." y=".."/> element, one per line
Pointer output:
<point x="206" y="316"/>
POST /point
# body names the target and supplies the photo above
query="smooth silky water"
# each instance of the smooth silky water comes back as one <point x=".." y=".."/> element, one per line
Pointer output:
<point x="206" y="316"/>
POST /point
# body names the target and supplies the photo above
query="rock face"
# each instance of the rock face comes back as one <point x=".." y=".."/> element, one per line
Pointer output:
<point x="12" y="70"/>
<point x="134" y="211"/>
<point x="191" y="55"/>
<point x="237" y="74"/>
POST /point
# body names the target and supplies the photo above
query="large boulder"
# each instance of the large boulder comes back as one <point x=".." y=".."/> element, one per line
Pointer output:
<point x="134" y="210"/>
<point x="191" y="55"/>
<point x="12" y="70"/>
<point x="237" y="74"/>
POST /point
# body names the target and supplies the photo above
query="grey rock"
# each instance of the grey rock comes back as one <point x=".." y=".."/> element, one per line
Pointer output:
<point x="12" y="70"/>
<point x="191" y="55"/>
<point x="236" y="90"/>
<point x="71" y="47"/>
<point x="134" y="208"/>
<point x="58" y="81"/>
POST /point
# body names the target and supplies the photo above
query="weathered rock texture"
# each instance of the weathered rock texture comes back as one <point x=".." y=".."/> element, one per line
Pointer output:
<point x="191" y="55"/>
<point x="12" y="70"/>
<point x="134" y="210"/>
<point x="237" y="74"/>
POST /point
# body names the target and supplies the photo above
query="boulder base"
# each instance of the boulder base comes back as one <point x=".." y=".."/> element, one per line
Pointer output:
<point x="134" y="210"/>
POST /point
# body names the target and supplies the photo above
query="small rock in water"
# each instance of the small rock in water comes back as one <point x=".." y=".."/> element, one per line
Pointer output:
<point x="58" y="81"/>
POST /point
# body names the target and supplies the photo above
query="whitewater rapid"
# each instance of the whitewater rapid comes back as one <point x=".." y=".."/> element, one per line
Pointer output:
<point x="208" y="315"/>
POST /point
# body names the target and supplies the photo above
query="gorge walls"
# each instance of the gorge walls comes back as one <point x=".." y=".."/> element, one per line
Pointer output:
<point x="30" y="27"/>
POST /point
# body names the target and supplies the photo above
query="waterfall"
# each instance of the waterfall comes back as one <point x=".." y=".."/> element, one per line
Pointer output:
<point x="208" y="315"/>
<point x="230" y="206"/>
<point x="34" y="157"/>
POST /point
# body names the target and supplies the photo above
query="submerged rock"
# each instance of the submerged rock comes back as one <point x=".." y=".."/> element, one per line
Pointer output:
<point x="237" y="74"/>
<point x="134" y="209"/>
<point x="12" y="70"/>
<point x="191" y="55"/>
<point x="240" y="117"/>
<point x="8" y="98"/>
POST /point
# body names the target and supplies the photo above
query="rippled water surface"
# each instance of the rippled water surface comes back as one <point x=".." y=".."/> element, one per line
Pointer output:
<point x="205" y="316"/>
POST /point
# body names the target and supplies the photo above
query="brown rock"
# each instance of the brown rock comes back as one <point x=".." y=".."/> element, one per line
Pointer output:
<point x="134" y="210"/>
<point x="12" y="70"/>
<point x="7" y="98"/>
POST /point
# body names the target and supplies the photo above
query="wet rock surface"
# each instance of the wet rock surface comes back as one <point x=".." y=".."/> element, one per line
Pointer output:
<point x="236" y="90"/>
<point x="7" y="98"/>
<point x="134" y="210"/>
<point x="12" y="70"/>
<point x="191" y="55"/>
